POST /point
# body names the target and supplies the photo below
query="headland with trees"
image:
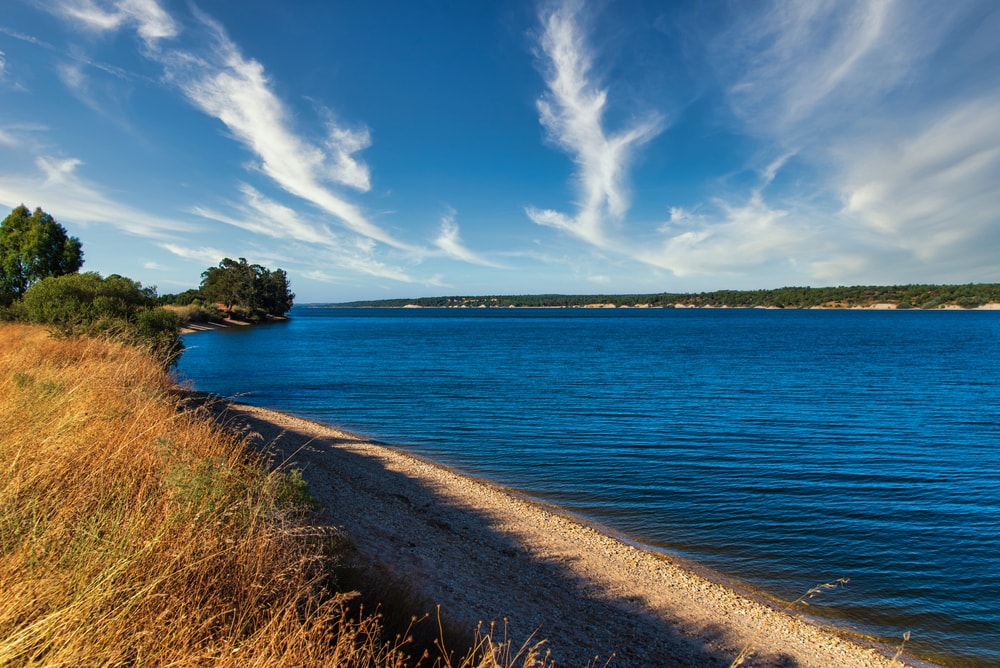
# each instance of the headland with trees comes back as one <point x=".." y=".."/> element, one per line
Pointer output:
<point x="41" y="282"/>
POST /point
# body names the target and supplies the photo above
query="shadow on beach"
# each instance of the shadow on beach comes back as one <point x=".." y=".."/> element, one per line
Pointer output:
<point x="472" y="562"/>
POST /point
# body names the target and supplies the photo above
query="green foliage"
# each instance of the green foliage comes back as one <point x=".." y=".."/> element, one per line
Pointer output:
<point x="186" y="298"/>
<point x="33" y="246"/>
<point x="158" y="329"/>
<point x="114" y="306"/>
<point x="907" y="296"/>
<point x="290" y="491"/>
<point x="247" y="290"/>
<point x="223" y="490"/>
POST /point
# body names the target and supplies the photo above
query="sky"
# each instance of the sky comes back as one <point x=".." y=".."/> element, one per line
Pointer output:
<point x="408" y="149"/>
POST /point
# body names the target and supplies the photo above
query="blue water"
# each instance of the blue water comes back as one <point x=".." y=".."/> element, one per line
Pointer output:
<point x="779" y="448"/>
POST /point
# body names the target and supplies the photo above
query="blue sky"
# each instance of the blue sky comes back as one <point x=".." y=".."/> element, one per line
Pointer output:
<point x="405" y="149"/>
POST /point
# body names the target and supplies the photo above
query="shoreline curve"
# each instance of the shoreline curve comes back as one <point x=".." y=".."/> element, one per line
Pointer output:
<point x="488" y="554"/>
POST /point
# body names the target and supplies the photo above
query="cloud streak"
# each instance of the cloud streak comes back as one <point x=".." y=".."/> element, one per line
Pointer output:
<point x="808" y="59"/>
<point x="865" y="95"/>
<point x="146" y="16"/>
<point x="315" y="244"/>
<point x="58" y="184"/>
<point x="225" y="85"/>
<point x="934" y="193"/>
<point x="450" y="243"/>
<point x="572" y="113"/>
<point x="236" y="90"/>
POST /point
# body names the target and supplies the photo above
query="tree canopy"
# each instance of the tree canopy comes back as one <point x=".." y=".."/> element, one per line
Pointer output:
<point x="247" y="290"/>
<point x="34" y="246"/>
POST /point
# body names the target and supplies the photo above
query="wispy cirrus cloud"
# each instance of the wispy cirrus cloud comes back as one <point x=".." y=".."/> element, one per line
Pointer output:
<point x="794" y="65"/>
<point x="733" y="239"/>
<point x="147" y="17"/>
<point x="934" y="193"/>
<point x="573" y="114"/>
<point x="205" y="255"/>
<point x="24" y="37"/>
<point x="58" y="184"/>
<point x="236" y="90"/>
<point x="450" y="243"/>
<point x="311" y="242"/>
<point x="728" y="236"/>
<point x="262" y="215"/>
<point x="220" y="81"/>
<point x="215" y="76"/>
<point x="873" y="99"/>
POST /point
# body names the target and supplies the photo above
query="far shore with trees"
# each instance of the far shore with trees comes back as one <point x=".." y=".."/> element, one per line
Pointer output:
<point x="968" y="296"/>
<point x="40" y="282"/>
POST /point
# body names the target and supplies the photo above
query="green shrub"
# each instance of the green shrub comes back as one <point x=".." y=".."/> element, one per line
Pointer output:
<point x="116" y="306"/>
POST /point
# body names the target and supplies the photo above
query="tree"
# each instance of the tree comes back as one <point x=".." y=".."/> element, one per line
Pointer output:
<point x="250" y="289"/>
<point x="34" y="246"/>
<point x="276" y="298"/>
<point x="231" y="284"/>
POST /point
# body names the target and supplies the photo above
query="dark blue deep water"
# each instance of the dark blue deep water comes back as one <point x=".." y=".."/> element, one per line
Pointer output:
<point x="779" y="448"/>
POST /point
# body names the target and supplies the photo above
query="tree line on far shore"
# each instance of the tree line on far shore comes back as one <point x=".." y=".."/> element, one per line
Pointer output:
<point x="970" y="295"/>
<point x="40" y="282"/>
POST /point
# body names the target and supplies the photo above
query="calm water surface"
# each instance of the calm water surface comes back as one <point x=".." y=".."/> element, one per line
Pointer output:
<point x="780" y="448"/>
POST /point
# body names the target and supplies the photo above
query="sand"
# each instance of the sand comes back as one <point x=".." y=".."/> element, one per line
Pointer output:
<point x="486" y="554"/>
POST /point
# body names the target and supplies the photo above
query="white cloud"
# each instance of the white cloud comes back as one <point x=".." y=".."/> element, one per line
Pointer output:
<point x="451" y="244"/>
<point x="572" y="112"/>
<point x="148" y="18"/>
<point x="236" y="90"/>
<point x="69" y="197"/>
<point x="224" y="84"/>
<point x="344" y="167"/>
<point x="882" y="101"/>
<point x="205" y="255"/>
<point x="935" y="192"/>
<point x="30" y="39"/>
<point x="739" y="239"/>
<point x="800" y="60"/>
<point x="262" y="215"/>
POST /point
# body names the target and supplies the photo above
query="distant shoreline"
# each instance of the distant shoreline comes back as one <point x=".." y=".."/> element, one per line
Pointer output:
<point x="991" y="306"/>
<point x="876" y="297"/>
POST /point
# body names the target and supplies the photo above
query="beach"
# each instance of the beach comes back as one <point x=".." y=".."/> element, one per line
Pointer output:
<point x="486" y="554"/>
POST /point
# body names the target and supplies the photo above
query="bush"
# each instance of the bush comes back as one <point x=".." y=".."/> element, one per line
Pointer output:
<point x="158" y="329"/>
<point x="115" y="306"/>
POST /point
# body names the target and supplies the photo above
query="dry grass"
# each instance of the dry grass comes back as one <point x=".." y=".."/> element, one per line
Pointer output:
<point x="133" y="532"/>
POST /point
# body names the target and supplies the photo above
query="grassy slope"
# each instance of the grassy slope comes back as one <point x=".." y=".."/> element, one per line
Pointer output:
<point x="132" y="532"/>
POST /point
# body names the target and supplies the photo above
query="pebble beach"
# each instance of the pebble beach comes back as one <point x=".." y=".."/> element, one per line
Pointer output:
<point x="488" y="555"/>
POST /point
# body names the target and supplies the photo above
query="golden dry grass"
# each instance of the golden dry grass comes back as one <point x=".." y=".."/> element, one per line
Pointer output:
<point x="136" y="532"/>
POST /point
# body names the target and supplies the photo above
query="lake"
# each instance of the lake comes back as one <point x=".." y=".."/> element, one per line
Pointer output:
<point x="779" y="448"/>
